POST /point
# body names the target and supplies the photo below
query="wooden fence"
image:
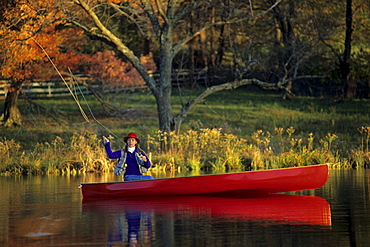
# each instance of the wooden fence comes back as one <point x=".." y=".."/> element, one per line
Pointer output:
<point x="42" y="89"/>
<point x="59" y="89"/>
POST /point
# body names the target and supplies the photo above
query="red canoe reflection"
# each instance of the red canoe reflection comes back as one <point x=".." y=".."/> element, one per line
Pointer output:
<point x="269" y="209"/>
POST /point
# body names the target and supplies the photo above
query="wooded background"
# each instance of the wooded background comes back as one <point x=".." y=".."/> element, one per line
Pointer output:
<point x="314" y="47"/>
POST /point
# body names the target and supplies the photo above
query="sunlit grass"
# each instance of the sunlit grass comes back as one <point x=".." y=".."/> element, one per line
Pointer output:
<point x="205" y="149"/>
<point x="81" y="154"/>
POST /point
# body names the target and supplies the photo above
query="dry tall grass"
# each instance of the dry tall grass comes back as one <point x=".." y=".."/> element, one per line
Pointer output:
<point x="193" y="150"/>
<point x="83" y="153"/>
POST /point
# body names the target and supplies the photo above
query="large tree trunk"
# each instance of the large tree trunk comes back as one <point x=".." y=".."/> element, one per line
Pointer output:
<point x="11" y="116"/>
<point x="348" y="86"/>
<point x="163" y="89"/>
<point x="285" y="19"/>
<point x="165" y="115"/>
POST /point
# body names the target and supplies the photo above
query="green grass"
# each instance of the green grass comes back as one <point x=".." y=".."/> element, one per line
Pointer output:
<point x="241" y="112"/>
<point x="245" y="111"/>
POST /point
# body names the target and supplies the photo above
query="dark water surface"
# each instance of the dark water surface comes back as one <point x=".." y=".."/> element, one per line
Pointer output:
<point x="50" y="211"/>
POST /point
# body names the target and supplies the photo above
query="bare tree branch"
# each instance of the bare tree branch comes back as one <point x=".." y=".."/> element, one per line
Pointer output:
<point x="228" y="86"/>
<point x="118" y="44"/>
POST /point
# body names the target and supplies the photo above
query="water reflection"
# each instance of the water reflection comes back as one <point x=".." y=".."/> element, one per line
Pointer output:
<point x="130" y="219"/>
<point x="129" y="226"/>
<point x="37" y="223"/>
<point x="49" y="211"/>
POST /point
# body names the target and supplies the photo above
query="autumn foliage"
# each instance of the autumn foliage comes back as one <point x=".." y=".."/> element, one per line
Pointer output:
<point x="24" y="27"/>
<point x="34" y="37"/>
<point x="106" y="68"/>
<point x="31" y="31"/>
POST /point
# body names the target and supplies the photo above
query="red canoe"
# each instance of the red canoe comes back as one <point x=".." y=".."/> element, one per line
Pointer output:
<point x="252" y="182"/>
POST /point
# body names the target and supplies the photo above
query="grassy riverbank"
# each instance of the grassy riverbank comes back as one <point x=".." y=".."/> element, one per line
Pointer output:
<point x="241" y="129"/>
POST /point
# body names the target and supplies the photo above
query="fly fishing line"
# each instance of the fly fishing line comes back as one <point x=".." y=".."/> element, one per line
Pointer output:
<point x="89" y="108"/>
<point x="69" y="88"/>
<point x="75" y="95"/>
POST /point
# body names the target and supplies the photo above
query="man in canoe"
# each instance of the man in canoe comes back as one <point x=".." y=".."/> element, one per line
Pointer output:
<point x="133" y="161"/>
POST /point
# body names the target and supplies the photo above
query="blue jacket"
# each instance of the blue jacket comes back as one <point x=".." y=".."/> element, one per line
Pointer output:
<point x="128" y="163"/>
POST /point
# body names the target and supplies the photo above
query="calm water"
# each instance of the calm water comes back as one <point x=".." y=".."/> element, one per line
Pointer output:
<point x="49" y="211"/>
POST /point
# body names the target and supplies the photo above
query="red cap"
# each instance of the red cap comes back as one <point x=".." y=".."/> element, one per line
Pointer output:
<point x="131" y="135"/>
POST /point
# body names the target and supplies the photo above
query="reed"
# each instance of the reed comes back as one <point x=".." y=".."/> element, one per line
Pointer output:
<point x="282" y="150"/>
<point x="198" y="150"/>
<point x="9" y="153"/>
<point x="81" y="154"/>
<point x="361" y="157"/>
<point x="205" y="149"/>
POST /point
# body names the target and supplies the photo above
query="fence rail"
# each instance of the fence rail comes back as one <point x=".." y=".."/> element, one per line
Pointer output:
<point x="58" y="88"/>
<point x="42" y="89"/>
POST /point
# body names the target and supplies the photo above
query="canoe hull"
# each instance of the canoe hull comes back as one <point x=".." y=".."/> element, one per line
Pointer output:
<point x="253" y="182"/>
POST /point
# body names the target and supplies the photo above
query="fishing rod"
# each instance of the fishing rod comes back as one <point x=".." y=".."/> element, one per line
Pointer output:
<point x="69" y="89"/>
<point x="74" y="96"/>
<point x="100" y="125"/>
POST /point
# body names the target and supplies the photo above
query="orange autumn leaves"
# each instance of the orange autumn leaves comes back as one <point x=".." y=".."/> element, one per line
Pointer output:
<point x="107" y="68"/>
<point x="22" y="60"/>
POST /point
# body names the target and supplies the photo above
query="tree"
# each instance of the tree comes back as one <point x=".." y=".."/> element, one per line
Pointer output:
<point x="355" y="20"/>
<point x="165" y="24"/>
<point x="23" y="28"/>
<point x="345" y="61"/>
<point x="345" y="39"/>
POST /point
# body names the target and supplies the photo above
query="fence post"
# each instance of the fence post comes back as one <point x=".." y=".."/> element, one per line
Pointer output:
<point x="49" y="90"/>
